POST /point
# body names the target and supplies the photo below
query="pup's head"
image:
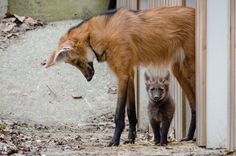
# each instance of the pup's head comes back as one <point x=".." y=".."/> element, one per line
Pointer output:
<point x="157" y="86"/>
<point x="74" y="48"/>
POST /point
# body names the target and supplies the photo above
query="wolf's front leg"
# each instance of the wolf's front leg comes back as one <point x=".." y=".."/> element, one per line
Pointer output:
<point x="120" y="111"/>
<point x="131" y="111"/>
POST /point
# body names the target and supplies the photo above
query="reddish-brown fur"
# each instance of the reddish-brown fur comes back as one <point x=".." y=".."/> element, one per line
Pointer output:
<point x="127" y="39"/>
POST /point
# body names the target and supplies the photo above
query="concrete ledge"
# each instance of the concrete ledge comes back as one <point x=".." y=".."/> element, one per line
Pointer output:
<point x="3" y="7"/>
<point x="54" y="10"/>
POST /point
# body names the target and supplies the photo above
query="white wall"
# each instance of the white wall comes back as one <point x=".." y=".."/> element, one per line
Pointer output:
<point x="217" y="72"/>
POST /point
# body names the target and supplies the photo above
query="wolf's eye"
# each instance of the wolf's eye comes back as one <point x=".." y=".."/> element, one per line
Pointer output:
<point x="78" y="63"/>
<point x="160" y="89"/>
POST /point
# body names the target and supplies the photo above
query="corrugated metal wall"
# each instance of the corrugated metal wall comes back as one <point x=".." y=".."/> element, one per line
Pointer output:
<point x="132" y="4"/>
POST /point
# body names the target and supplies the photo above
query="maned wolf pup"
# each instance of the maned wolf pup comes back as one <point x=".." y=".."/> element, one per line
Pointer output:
<point x="126" y="39"/>
<point x="161" y="107"/>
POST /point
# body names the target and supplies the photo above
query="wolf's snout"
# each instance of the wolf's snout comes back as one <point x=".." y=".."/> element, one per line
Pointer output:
<point x="90" y="72"/>
<point x="89" y="78"/>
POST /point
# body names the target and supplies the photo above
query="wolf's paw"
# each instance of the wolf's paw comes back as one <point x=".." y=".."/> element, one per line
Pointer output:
<point x="129" y="141"/>
<point x="163" y="144"/>
<point x="157" y="143"/>
<point x="188" y="139"/>
<point x="113" y="143"/>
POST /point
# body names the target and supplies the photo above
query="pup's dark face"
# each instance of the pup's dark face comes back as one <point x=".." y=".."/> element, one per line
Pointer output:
<point x="157" y="87"/>
<point x="156" y="91"/>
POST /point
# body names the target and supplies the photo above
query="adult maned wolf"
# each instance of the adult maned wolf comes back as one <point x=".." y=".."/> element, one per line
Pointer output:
<point x="126" y="39"/>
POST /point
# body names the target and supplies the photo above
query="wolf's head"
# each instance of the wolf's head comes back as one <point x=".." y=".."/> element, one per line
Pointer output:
<point x="74" y="48"/>
<point x="157" y="86"/>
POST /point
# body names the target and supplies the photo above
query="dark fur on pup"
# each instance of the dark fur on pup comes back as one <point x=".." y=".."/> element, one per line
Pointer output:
<point x="161" y="106"/>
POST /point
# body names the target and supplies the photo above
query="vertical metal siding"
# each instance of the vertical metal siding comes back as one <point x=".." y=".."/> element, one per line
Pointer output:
<point x="131" y="4"/>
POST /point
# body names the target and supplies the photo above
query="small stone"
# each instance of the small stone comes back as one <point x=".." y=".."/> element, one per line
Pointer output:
<point x="6" y="149"/>
<point x="112" y="90"/>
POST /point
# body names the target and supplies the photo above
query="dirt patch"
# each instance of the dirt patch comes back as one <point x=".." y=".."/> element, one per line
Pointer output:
<point x="13" y="25"/>
<point x="91" y="138"/>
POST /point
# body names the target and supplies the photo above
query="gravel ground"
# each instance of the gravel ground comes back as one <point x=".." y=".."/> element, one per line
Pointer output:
<point x="31" y="92"/>
<point x="39" y="116"/>
<point x="18" y="138"/>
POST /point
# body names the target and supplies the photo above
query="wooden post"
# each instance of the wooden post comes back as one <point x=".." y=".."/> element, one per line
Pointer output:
<point x="232" y="85"/>
<point x="201" y="7"/>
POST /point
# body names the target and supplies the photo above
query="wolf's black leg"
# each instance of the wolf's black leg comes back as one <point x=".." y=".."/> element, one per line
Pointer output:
<point x="192" y="128"/>
<point x="112" y="5"/>
<point x="120" y="112"/>
<point x="131" y="112"/>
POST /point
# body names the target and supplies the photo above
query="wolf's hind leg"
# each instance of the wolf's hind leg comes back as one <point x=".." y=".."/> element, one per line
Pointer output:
<point x="131" y="112"/>
<point x="186" y="79"/>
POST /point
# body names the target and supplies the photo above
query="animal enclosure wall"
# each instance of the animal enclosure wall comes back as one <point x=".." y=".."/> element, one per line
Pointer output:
<point x="217" y="75"/>
<point x="216" y="123"/>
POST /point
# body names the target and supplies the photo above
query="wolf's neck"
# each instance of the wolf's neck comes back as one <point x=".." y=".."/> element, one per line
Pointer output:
<point x="98" y="38"/>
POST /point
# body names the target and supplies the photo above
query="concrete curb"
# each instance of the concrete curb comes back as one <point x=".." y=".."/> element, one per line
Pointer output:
<point x="3" y="7"/>
<point x="55" y="10"/>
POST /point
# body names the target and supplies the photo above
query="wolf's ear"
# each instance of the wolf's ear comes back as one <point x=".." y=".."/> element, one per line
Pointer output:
<point x="60" y="54"/>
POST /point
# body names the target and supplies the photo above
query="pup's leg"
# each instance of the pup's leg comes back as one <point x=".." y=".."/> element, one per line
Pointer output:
<point x="164" y="132"/>
<point x="156" y="131"/>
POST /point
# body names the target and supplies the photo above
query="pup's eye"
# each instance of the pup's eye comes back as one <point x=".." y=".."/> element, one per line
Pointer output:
<point x="160" y="89"/>
<point x="152" y="89"/>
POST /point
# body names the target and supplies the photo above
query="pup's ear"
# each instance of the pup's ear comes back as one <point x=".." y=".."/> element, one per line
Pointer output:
<point x="167" y="77"/>
<point x="147" y="78"/>
<point x="60" y="54"/>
